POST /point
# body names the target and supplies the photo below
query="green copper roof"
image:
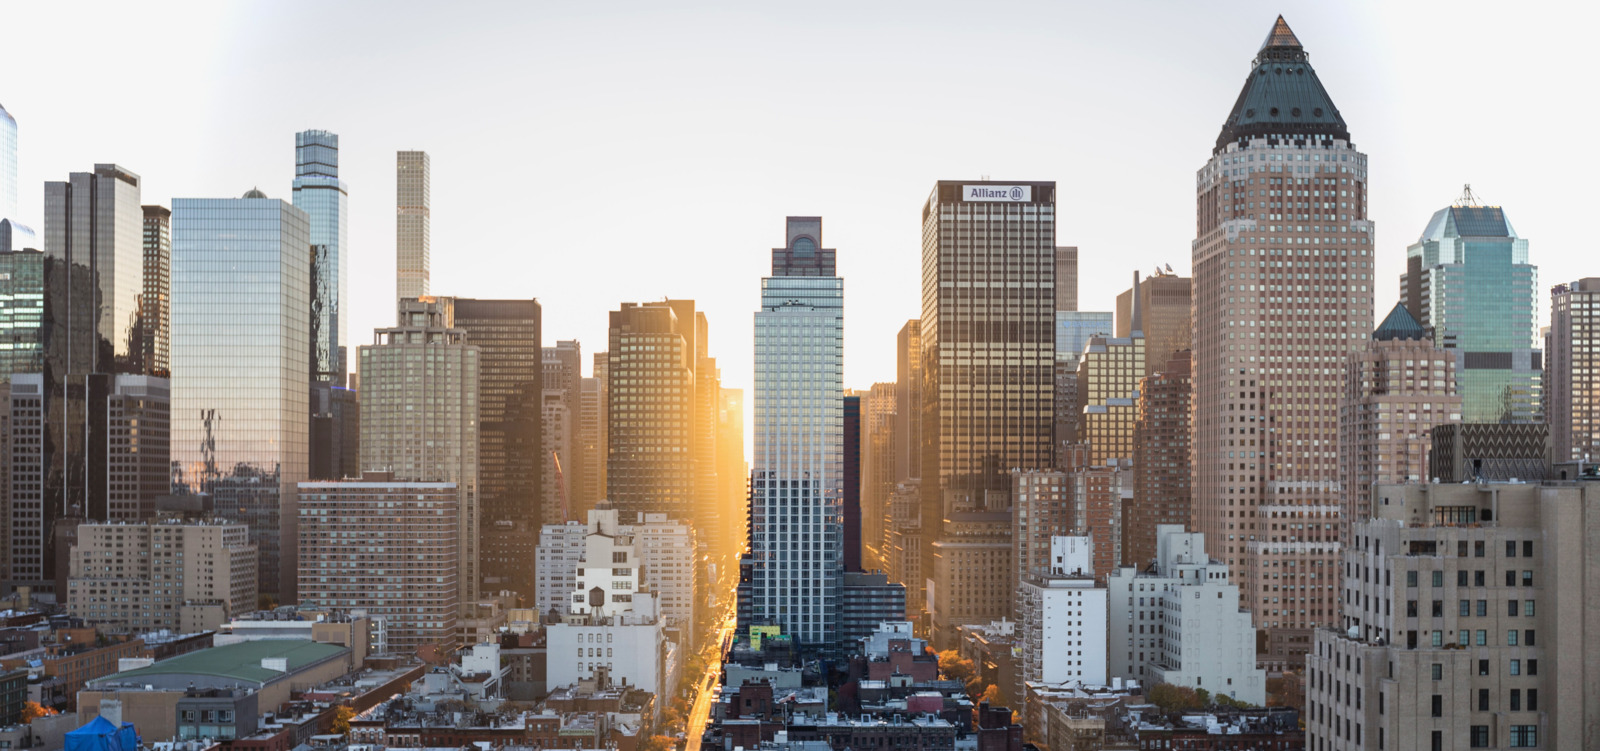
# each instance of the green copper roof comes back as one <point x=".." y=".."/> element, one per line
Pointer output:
<point x="241" y="661"/>
<point x="1282" y="96"/>
<point x="1399" y="324"/>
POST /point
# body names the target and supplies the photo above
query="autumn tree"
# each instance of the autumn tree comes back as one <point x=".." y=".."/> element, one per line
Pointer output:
<point x="1172" y="698"/>
<point x="342" y="715"/>
<point x="32" y="710"/>
<point x="955" y="667"/>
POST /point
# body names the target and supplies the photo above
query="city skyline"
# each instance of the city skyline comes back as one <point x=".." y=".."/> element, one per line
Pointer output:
<point x="838" y="169"/>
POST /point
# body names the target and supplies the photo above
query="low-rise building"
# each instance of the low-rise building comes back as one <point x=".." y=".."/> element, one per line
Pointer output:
<point x="1179" y="622"/>
<point x="220" y="692"/>
<point x="866" y="600"/>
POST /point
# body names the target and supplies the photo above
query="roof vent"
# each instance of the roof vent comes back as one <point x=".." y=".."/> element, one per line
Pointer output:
<point x="1295" y="111"/>
<point x="1274" y="111"/>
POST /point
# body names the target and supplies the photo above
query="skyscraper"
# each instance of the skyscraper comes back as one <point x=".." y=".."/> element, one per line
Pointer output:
<point x="94" y="224"/>
<point x="155" y="308"/>
<point x="411" y="223"/>
<point x="850" y="474"/>
<point x="586" y="491"/>
<point x="1067" y="279"/>
<point x="239" y="395"/>
<point x="14" y="235"/>
<point x="97" y="449"/>
<point x="1468" y="281"/>
<point x="1572" y="381"/>
<point x="650" y="367"/>
<point x="507" y="334"/>
<point x="1164" y="314"/>
<point x="561" y="413"/>
<point x="1074" y="329"/>
<point x="1108" y="391"/>
<point x="1161" y="469"/>
<point x="320" y="193"/>
<point x="908" y="403"/>
<point x="401" y="526"/>
<point x="988" y="344"/>
<point x="797" y="483"/>
<point x="86" y="331"/>
<point x="1397" y="390"/>
<point x="1282" y="294"/>
<point x="420" y="415"/>
<point x="877" y="467"/>
<point x="733" y="474"/>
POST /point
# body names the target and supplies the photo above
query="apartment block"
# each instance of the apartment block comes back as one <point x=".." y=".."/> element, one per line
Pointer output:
<point x="1468" y="620"/>
<point x="168" y="574"/>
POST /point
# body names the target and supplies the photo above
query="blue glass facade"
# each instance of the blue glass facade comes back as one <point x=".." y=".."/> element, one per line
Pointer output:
<point x="240" y="361"/>
<point x="797" y="480"/>
<point x="1468" y="279"/>
<point x="320" y="193"/>
<point x="1073" y="330"/>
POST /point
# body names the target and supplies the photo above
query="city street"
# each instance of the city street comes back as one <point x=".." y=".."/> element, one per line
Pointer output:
<point x="701" y="711"/>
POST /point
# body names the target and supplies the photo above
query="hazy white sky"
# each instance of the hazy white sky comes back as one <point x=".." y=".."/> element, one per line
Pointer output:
<point x="592" y="153"/>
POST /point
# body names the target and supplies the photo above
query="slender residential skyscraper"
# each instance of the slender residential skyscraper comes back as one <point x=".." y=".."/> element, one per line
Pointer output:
<point x="240" y="412"/>
<point x="320" y="193"/>
<point x="797" y="483"/>
<point x="1468" y="280"/>
<point x="1282" y="295"/>
<point x="988" y="345"/>
<point x="411" y="223"/>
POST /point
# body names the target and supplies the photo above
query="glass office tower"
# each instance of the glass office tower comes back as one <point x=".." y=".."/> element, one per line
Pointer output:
<point x="320" y="193"/>
<point x="13" y="236"/>
<point x="1468" y="280"/>
<point x="797" y="483"/>
<point x="241" y="302"/>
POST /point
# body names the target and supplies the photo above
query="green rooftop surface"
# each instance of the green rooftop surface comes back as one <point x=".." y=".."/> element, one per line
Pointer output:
<point x="240" y="661"/>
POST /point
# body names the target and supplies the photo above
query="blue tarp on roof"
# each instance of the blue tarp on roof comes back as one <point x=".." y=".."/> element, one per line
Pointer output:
<point x="100" y="734"/>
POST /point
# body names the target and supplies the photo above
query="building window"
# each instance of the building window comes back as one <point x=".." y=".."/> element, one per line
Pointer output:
<point x="1438" y="705"/>
<point x="1480" y="736"/>
<point x="1516" y="667"/>
<point x="1524" y="736"/>
<point x="1483" y="700"/>
<point x="1516" y="700"/>
<point x="1438" y="671"/>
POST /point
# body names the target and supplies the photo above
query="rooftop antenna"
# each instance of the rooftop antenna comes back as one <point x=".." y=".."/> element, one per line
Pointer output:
<point x="1467" y="197"/>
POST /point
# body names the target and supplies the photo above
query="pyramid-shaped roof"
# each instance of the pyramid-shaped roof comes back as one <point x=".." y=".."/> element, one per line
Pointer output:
<point x="1282" y="96"/>
<point x="1399" y="324"/>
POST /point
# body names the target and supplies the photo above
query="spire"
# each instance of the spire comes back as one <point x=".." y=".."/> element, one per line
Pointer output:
<point x="1281" y="36"/>
<point x="1282" y="99"/>
<point x="1136" y="326"/>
